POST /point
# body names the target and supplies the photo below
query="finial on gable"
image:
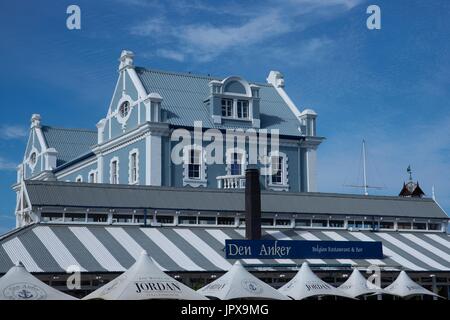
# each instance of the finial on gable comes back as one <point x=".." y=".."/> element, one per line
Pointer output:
<point x="276" y="79"/>
<point x="126" y="60"/>
<point x="36" y="121"/>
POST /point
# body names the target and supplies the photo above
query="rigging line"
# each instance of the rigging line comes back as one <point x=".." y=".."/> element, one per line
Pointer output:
<point x="369" y="164"/>
<point x="365" y="185"/>
<point x="352" y="177"/>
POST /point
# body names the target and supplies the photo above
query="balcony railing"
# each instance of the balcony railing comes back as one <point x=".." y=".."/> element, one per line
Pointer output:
<point x="231" y="182"/>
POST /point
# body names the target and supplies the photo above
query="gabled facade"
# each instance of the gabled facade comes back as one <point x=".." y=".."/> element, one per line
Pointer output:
<point x="133" y="144"/>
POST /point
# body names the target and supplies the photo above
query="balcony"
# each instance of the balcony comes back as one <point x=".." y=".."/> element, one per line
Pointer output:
<point x="231" y="182"/>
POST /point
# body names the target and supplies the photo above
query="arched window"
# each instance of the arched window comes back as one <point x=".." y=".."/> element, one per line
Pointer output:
<point x="92" y="176"/>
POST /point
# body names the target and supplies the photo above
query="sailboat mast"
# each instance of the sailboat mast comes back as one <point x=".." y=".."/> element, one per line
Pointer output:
<point x="364" y="168"/>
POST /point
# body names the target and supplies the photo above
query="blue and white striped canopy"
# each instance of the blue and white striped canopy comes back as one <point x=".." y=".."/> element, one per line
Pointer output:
<point x="45" y="248"/>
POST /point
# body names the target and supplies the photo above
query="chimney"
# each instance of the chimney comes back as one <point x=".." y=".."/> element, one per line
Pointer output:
<point x="36" y="121"/>
<point x="252" y="205"/>
<point x="126" y="60"/>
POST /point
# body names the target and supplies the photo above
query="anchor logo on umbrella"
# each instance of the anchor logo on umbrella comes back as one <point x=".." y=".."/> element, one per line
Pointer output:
<point x="25" y="294"/>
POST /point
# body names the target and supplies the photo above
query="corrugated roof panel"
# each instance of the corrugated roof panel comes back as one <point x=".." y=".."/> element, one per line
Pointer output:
<point x="70" y="143"/>
<point x="184" y="95"/>
<point x="52" y="193"/>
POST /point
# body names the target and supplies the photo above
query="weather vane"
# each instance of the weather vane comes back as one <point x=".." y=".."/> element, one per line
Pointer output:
<point x="408" y="170"/>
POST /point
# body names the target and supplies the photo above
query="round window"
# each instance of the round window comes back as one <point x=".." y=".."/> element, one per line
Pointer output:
<point x="124" y="109"/>
<point x="33" y="158"/>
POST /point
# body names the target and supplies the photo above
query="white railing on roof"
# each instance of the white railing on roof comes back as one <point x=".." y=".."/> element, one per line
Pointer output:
<point x="231" y="182"/>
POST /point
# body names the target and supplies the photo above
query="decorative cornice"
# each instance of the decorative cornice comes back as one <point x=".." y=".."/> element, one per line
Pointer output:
<point x="131" y="137"/>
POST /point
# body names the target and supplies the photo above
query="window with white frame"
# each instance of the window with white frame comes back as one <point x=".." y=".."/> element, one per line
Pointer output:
<point x="278" y="175"/>
<point x="194" y="165"/>
<point x="134" y="167"/>
<point x="434" y="226"/>
<point x="236" y="164"/>
<point x="33" y="158"/>
<point x="93" y="177"/>
<point x="227" y="107"/>
<point x="242" y="109"/>
<point x="114" y="171"/>
<point x="79" y="179"/>
<point x="277" y="170"/>
<point x="236" y="108"/>
<point x="124" y="109"/>
<point x="386" y="224"/>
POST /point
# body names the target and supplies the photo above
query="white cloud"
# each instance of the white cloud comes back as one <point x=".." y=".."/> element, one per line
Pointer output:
<point x="304" y="53"/>
<point x="347" y="4"/>
<point x="151" y="27"/>
<point x="141" y="3"/>
<point x="170" y="54"/>
<point x="235" y="31"/>
<point x="211" y="41"/>
<point x="7" y="165"/>
<point x="205" y="41"/>
<point x="13" y="132"/>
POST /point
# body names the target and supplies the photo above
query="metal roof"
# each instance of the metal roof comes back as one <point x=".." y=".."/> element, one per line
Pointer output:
<point x="70" y="143"/>
<point x="184" y="95"/>
<point x="47" y="248"/>
<point x="52" y="193"/>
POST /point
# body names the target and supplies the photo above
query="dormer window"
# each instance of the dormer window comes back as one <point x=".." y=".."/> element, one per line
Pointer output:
<point x="242" y="109"/>
<point x="234" y="99"/>
<point x="227" y="107"/>
<point x="235" y="108"/>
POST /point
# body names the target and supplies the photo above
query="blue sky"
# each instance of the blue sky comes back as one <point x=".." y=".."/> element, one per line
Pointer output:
<point x="389" y="86"/>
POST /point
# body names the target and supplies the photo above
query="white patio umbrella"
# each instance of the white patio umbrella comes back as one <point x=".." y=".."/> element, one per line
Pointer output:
<point x="238" y="283"/>
<point x="306" y="284"/>
<point x="356" y="285"/>
<point x="144" y="281"/>
<point x="19" y="284"/>
<point x="404" y="287"/>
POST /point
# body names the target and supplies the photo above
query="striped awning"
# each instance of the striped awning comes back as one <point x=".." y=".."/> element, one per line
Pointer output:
<point x="45" y="248"/>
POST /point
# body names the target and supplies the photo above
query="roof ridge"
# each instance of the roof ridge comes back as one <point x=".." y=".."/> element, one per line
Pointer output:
<point x="70" y="129"/>
<point x="15" y="231"/>
<point x="195" y="75"/>
<point x="184" y="189"/>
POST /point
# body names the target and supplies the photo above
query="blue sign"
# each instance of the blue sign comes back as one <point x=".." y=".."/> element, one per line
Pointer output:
<point x="298" y="249"/>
